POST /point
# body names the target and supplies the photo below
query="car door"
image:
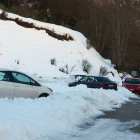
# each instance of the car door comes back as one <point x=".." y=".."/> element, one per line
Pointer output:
<point x="6" y="87"/>
<point x="23" y="86"/>
<point x="83" y="80"/>
<point x="92" y="82"/>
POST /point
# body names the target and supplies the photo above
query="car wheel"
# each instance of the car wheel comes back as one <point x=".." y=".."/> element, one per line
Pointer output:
<point x="43" y="95"/>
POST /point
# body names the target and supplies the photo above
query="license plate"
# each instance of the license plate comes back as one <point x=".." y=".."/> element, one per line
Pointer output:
<point x="131" y="89"/>
<point x="111" y="85"/>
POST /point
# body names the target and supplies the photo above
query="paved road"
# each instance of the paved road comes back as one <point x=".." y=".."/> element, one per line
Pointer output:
<point x="127" y="113"/>
<point x="121" y="124"/>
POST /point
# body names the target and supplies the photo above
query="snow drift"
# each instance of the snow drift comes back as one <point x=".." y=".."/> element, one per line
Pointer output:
<point x="47" y="118"/>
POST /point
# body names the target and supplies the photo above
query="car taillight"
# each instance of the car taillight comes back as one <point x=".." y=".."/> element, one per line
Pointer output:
<point x="102" y="84"/>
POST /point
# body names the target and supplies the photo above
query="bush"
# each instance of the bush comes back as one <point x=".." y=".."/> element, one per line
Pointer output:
<point x="103" y="71"/>
<point x="87" y="66"/>
<point x="3" y="15"/>
<point x="64" y="69"/>
<point x="88" y="44"/>
<point x="72" y="68"/>
<point x="53" y="61"/>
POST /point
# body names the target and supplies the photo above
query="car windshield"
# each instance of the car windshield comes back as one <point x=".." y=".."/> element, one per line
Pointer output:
<point x="103" y="79"/>
<point x="132" y="81"/>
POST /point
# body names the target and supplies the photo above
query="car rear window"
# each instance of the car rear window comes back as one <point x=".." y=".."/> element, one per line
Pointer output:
<point x="103" y="79"/>
<point x="132" y="81"/>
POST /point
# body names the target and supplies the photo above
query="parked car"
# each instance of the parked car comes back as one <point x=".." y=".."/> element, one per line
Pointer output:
<point x="133" y="84"/>
<point x="17" y="84"/>
<point x="95" y="82"/>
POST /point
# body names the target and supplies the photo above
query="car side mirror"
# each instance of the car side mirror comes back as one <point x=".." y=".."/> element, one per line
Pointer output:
<point x="122" y="82"/>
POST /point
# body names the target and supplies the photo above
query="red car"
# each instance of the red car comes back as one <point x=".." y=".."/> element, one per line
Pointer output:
<point x="133" y="84"/>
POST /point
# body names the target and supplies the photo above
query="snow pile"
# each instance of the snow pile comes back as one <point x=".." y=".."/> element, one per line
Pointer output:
<point x="30" y="50"/>
<point x="124" y="75"/>
<point x="45" y="118"/>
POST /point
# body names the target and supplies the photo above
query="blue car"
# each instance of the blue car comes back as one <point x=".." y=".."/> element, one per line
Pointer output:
<point x="95" y="82"/>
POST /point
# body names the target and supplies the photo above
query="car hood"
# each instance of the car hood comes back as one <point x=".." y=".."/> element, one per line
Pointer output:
<point x="45" y="89"/>
<point x="129" y="84"/>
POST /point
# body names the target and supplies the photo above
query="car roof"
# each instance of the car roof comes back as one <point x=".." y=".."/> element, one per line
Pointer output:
<point x="132" y="78"/>
<point x="4" y="69"/>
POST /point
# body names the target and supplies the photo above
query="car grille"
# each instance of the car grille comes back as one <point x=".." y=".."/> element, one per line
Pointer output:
<point x="131" y="87"/>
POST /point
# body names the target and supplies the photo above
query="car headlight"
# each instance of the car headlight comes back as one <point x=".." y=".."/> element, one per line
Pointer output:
<point x="138" y="87"/>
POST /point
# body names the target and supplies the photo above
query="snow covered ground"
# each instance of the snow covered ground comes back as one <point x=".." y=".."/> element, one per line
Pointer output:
<point x="59" y="114"/>
<point x="106" y="129"/>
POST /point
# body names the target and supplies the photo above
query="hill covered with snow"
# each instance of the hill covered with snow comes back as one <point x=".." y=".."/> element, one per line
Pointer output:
<point x="31" y="50"/>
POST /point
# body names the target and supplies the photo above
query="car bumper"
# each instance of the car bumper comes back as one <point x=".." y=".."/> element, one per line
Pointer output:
<point x="134" y="90"/>
<point x="115" y="88"/>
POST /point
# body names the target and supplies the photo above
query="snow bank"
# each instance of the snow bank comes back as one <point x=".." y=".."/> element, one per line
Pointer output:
<point x="44" y="118"/>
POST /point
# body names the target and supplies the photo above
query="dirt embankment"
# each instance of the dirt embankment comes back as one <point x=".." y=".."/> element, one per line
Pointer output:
<point x="4" y="16"/>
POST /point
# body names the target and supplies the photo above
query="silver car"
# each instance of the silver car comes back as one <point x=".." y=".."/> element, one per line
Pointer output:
<point x="14" y="84"/>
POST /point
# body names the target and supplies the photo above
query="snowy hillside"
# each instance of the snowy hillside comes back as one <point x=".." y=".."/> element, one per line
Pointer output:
<point x="33" y="49"/>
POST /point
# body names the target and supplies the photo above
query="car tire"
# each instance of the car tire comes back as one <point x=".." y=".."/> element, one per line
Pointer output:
<point x="43" y="95"/>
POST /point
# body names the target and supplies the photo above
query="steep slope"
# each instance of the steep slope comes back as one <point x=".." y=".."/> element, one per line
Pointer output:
<point x="30" y="50"/>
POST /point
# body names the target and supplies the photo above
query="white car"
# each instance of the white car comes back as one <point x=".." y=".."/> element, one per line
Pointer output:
<point x="14" y="84"/>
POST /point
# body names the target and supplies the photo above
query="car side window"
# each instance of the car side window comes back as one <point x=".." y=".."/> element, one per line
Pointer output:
<point x="90" y="79"/>
<point x="4" y="76"/>
<point x="84" y="79"/>
<point x="78" y="78"/>
<point x="95" y="80"/>
<point x="21" y="78"/>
